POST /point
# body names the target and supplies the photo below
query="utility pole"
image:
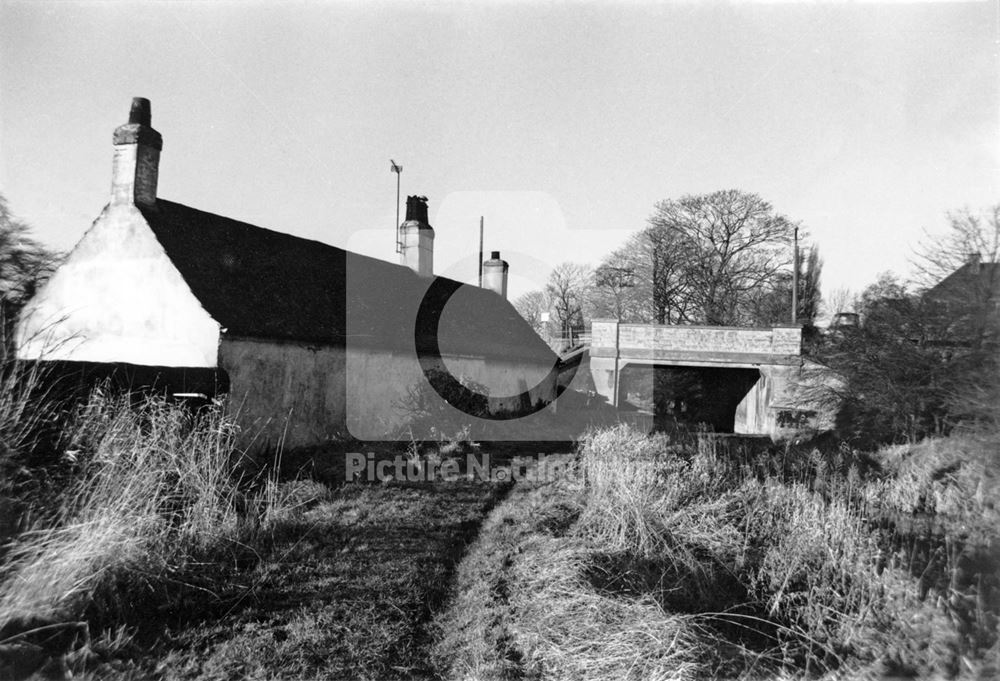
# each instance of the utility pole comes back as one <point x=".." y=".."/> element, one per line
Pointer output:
<point x="398" y="169"/>
<point x="795" y="277"/>
<point x="480" y="251"/>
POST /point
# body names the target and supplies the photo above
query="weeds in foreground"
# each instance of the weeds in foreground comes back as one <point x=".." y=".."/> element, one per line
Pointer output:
<point x="21" y="412"/>
<point x="570" y="630"/>
<point x="679" y="562"/>
<point x="158" y="495"/>
<point x="800" y="554"/>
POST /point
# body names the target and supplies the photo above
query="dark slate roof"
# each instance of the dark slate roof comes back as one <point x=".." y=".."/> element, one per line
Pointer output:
<point x="979" y="281"/>
<point x="259" y="283"/>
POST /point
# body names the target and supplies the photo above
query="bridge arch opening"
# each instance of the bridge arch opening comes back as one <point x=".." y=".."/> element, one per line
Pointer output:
<point x="686" y="395"/>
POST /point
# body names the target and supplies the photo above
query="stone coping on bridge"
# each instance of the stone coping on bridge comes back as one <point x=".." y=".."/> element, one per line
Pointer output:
<point x="711" y="344"/>
<point x="697" y="359"/>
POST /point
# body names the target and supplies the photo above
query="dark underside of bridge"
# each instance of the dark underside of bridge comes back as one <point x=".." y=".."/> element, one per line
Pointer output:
<point x="687" y="395"/>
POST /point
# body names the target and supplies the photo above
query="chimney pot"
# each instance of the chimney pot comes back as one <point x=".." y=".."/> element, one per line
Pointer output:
<point x="495" y="274"/>
<point x="418" y="238"/>
<point x="416" y="209"/>
<point x="141" y="112"/>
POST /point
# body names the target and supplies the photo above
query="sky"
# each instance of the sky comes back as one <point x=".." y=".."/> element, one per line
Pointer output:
<point x="562" y="124"/>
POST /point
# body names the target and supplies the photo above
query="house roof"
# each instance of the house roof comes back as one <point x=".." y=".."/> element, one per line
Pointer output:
<point x="980" y="281"/>
<point x="259" y="283"/>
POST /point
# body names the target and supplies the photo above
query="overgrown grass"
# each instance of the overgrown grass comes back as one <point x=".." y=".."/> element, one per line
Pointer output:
<point x="524" y="607"/>
<point x="20" y="409"/>
<point x="19" y="419"/>
<point x="571" y="630"/>
<point x="678" y="561"/>
<point x="158" y="507"/>
<point x="956" y="478"/>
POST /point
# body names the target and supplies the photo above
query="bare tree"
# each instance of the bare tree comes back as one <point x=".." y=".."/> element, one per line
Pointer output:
<point x="969" y="234"/>
<point x="612" y="285"/>
<point x="772" y="304"/>
<point x="733" y="244"/>
<point x="619" y="288"/>
<point x="643" y="281"/>
<point x="670" y="257"/>
<point x="532" y="306"/>
<point x="958" y="272"/>
<point x="840" y="300"/>
<point x="888" y="287"/>
<point x="568" y="291"/>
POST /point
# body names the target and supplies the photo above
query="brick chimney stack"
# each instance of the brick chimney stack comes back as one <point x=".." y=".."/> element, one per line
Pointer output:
<point x="417" y="237"/>
<point x="135" y="167"/>
<point x="975" y="261"/>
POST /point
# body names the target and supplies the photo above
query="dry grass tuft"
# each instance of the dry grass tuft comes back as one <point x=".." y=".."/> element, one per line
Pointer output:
<point x="957" y="477"/>
<point x="680" y="561"/>
<point x="21" y="408"/>
<point x="158" y="490"/>
<point x="644" y="500"/>
<point x="567" y="630"/>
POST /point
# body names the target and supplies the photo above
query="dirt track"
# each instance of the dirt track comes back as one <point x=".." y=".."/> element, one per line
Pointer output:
<point x="347" y="594"/>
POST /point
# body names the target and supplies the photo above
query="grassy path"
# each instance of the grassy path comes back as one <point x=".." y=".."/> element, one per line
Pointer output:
<point x="347" y="593"/>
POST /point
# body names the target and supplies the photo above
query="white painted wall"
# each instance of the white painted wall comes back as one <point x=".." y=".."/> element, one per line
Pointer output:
<point x="118" y="298"/>
<point x="418" y="249"/>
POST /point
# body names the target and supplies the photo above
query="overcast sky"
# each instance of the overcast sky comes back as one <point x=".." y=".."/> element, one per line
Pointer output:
<point x="561" y="123"/>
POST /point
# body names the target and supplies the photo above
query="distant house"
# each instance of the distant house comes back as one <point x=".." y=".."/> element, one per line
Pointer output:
<point x="969" y="298"/>
<point x="975" y="280"/>
<point x="309" y="340"/>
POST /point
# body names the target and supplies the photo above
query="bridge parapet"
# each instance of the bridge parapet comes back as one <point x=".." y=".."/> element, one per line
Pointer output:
<point x="711" y="344"/>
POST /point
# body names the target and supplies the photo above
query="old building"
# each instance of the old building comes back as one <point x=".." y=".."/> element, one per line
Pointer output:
<point x="311" y="341"/>
<point x="968" y="300"/>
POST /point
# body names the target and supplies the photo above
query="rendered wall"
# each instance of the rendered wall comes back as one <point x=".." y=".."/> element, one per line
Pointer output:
<point x="288" y="393"/>
<point x="118" y="298"/>
<point x="303" y="395"/>
<point x="381" y="386"/>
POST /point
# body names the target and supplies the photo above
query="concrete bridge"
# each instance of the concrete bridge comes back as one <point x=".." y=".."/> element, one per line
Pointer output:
<point x="743" y="380"/>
